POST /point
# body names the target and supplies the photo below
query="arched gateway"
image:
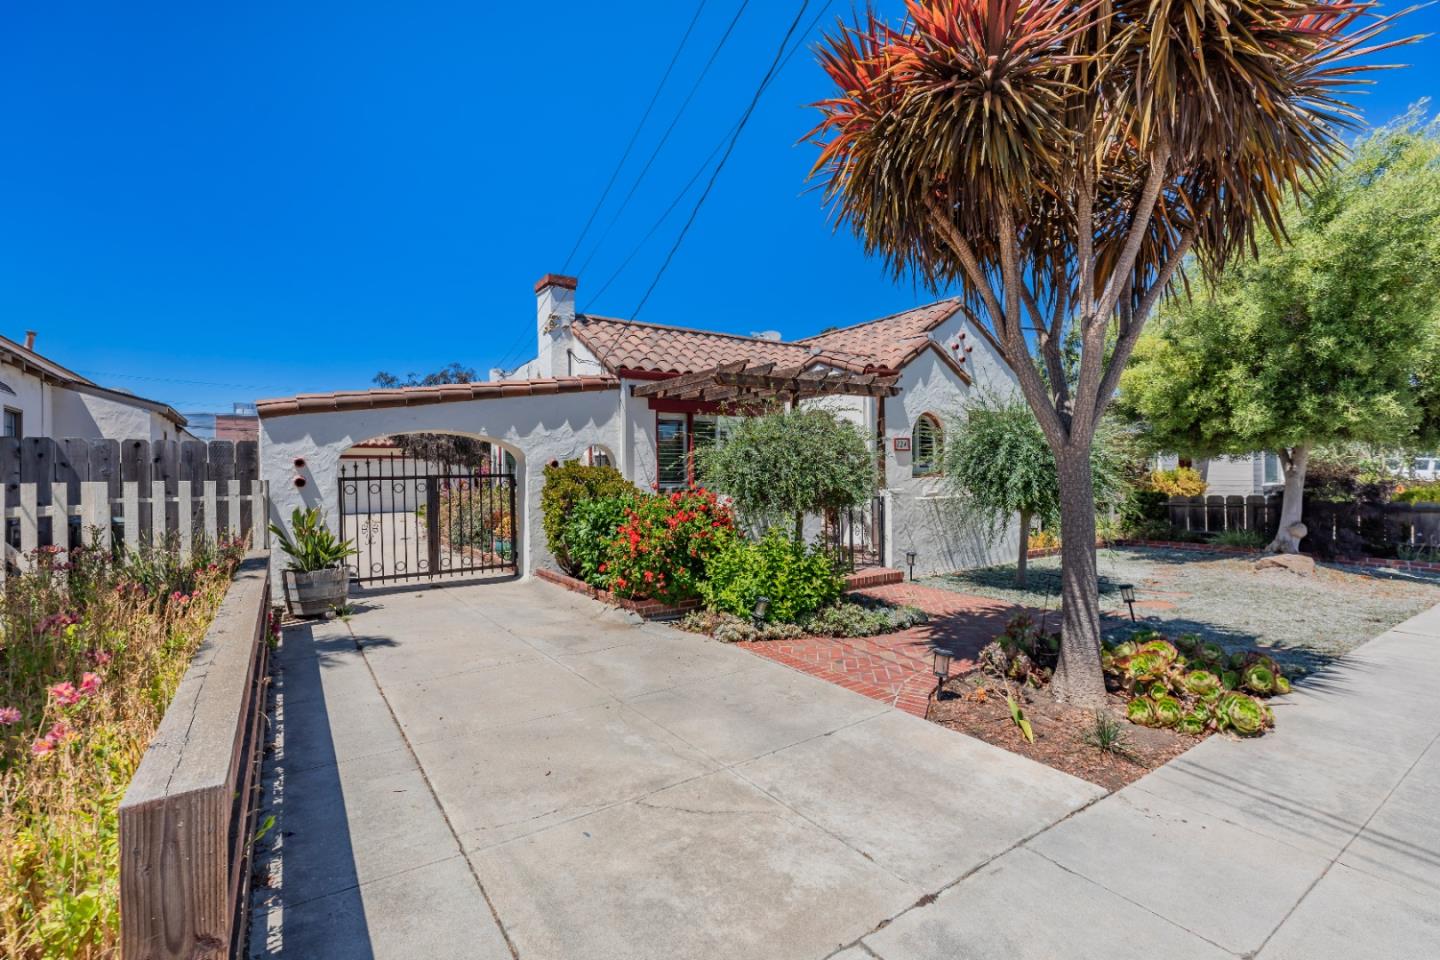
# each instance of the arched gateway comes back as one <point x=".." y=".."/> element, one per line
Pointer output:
<point x="416" y="518"/>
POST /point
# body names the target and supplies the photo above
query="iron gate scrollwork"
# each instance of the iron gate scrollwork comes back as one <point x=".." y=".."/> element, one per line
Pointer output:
<point x="413" y="520"/>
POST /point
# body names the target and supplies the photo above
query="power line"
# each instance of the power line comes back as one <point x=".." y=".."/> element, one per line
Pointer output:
<point x="625" y="155"/>
<point x="724" y="38"/>
<point x="794" y="49"/>
<point x="715" y="175"/>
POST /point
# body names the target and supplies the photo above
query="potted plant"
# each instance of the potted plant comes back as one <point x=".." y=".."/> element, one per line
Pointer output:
<point x="316" y="579"/>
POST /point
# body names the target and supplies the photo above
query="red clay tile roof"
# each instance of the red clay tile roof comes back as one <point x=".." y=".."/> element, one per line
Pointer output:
<point x="419" y="396"/>
<point x="888" y="342"/>
<point x="657" y="348"/>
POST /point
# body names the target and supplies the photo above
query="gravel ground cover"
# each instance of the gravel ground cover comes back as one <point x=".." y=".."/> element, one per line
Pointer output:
<point x="1302" y="621"/>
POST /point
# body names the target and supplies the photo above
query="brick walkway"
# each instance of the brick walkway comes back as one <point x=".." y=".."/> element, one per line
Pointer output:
<point x="896" y="668"/>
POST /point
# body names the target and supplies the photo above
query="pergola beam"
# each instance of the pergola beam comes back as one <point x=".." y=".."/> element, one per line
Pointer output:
<point x="740" y="381"/>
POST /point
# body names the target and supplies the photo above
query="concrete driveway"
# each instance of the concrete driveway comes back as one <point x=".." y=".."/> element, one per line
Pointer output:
<point x="509" y="770"/>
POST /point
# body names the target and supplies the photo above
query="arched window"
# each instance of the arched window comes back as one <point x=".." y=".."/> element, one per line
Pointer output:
<point x="928" y="442"/>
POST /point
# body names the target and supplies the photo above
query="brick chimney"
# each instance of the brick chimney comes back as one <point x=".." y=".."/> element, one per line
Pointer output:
<point x="554" y="313"/>
<point x="29" y="339"/>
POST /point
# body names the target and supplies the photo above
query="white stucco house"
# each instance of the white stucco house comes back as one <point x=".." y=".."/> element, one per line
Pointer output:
<point x="640" y="396"/>
<point x="41" y="398"/>
<point x="1245" y="475"/>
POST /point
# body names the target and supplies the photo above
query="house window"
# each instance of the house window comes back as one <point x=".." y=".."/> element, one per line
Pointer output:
<point x="597" y="456"/>
<point x="928" y="442"/>
<point x="672" y="450"/>
<point x="1273" y="474"/>
<point x="14" y="423"/>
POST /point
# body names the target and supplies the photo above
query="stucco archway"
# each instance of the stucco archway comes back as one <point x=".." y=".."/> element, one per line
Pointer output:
<point x="303" y="438"/>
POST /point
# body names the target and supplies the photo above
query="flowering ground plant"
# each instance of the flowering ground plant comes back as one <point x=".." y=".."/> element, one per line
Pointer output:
<point x="661" y="547"/>
<point x="92" y="647"/>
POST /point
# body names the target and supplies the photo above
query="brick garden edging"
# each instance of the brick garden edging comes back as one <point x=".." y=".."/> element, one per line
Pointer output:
<point x="655" y="610"/>
<point x="649" y="609"/>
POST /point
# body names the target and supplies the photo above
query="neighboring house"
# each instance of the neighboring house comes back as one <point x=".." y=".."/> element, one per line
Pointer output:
<point x="1244" y="475"/>
<point x="43" y="399"/>
<point x="596" y="391"/>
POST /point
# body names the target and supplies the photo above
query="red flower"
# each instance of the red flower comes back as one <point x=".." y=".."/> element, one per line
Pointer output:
<point x="603" y="567"/>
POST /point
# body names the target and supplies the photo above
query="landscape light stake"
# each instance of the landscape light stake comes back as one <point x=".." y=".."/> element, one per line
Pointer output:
<point x="910" y="556"/>
<point x="1127" y="593"/>
<point x="942" y="672"/>
<point x="757" y="616"/>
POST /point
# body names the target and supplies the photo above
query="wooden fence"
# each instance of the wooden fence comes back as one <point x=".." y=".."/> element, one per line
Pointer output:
<point x="187" y="823"/>
<point x="62" y="492"/>
<point x="1334" y="529"/>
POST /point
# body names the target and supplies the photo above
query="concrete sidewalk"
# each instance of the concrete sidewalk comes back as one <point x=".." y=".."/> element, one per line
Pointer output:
<point x="1320" y="840"/>
<point x="512" y="770"/>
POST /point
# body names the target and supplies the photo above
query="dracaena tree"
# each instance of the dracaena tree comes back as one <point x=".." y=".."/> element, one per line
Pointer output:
<point x="1060" y="161"/>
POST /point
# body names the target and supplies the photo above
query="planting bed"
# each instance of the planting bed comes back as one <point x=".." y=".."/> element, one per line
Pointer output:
<point x="976" y="706"/>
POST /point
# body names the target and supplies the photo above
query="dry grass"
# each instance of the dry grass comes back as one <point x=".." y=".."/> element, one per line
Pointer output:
<point x="91" y="653"/>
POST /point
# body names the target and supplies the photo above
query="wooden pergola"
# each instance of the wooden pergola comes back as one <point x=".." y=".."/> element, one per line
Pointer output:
<point x="743" y="384"/>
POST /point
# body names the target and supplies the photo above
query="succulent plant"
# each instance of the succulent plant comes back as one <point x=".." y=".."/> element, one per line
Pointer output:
<point x="1158" y="689"/>
<point x="1282" y="685"/>
<point x="1146" y="635"/>
<point x="1211" y="653"/>
<point x="1162" y="648"/>
<point x="1258" y="678"/>
<point x="1167" y="711"/>
<point x="1241" y="713"/>
<point x="1269" y="716"/>
<point x="1238" y="660"/>
<point x="1201" y="682"/>
<point x="1188" y="643"/>
<point x="1145" y="666"/>
<point x="1202" y="710"/>
<point x="1229" y="679"/>
<point x="1140" y="711"/>
<point x="1191" y="725"/>
<point x="1126" y="649"/>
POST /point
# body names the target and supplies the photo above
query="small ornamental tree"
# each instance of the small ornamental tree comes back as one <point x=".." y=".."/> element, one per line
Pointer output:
<point x="1330" y="339"/>
<point x="1058" y="162"/>
<point x="998" y="460"/>
<point x="780" y="466"/>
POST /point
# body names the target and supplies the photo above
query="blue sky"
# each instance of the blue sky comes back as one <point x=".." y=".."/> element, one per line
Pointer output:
<point x="205" y="203"/>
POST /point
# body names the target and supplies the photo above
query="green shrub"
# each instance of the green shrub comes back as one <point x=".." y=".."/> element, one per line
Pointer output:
<point x="567" y="485"/>
<point x="1239" y="538"/>
<point x="1426" y="492"/>
<point x="863" y="619"/>
<point x="589" y="533"/>
<point x="797" y="580"/>
<point x="1143" y="514"/>
<point x="663" y="543"/>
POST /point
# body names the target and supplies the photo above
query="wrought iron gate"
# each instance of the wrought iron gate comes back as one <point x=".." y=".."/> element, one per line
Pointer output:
<point x="413" y="520"/>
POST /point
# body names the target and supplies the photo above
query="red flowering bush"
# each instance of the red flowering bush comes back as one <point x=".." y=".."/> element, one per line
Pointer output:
<point x="660" y="548"/>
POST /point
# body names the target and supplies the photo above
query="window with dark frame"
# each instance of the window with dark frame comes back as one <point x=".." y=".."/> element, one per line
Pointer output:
<point x="14" y="423"/>
<point x="928" y="443"/>
<point x="672" y="451"/>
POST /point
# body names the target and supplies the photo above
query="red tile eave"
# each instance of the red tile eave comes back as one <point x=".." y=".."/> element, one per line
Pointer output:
<point x="422" y="396"/>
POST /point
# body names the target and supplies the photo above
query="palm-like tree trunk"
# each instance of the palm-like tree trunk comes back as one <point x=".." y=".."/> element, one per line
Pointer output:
<point x="1292" y="503"/>
<point x="1078" y="678"/>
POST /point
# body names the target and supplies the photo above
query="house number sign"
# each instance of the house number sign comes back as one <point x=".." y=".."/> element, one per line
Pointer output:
<point x="902" y="444"/>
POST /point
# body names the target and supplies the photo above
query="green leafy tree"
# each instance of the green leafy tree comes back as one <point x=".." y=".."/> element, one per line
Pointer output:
<point x="1330" y="339"/>
<point x="997" y="458"/>
<point x="780" y="466"/>
<point x="1058" y="162"/>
